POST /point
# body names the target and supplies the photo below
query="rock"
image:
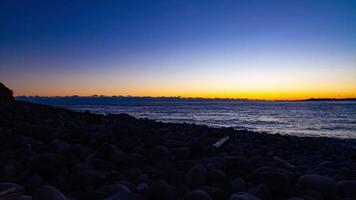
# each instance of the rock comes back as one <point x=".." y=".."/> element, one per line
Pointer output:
<point x="180" y="153"/>
<point x="24" y="197"/>
<point x="113" y="189"/>
<point x="48" y="193"/>
<point x="215" y="192"/>
<point x="112" y="153"/>
<point x="129" y="143"/>
<point x="6" y="95"/>
<point x="11" y="141"/>
<point x="79" y="151"/>
<point x="125" y="195"/>
<point x="214" y="162"/>
<point x="58" y="146"/>
<point x="160" y="189"/>
<point x="93" y="195"/>
<point x="143" y="188"/>
<point x="128" y="185"/>
<point x="238" y="184"/>
<point x="346" y="188"/>
<point x="138" y="160"/>
<point x="142" y="178"/>
<point x="32" y="182"/>
<point x="160" y="154"/>
<point x="261" y="191"/>
<point x="197" y="195"/>
<point x="238" y="165"/>
<point x="10" y="169"/>
<point x="217" y="176"/>
<point x="243" y="196"/>
<point x="325" y="185"/>
<point x="132" y="174"/>
<point x="84" y="179"/>
<point x="60" y="183"/>
<point x="48" y="165"/>
<point x="173" y="143"/>
<point x="196" y="176"/>
<point x="276" y="180"/>
<point x="8" y="190"/>
<point x="101" y="164"/>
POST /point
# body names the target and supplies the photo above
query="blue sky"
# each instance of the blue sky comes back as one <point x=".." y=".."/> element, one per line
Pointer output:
<point x="187" y="48"/>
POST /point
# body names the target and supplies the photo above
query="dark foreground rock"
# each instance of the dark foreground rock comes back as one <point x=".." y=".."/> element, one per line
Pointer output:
<point x="57" y="154"/>
<point x="6" y="95"/>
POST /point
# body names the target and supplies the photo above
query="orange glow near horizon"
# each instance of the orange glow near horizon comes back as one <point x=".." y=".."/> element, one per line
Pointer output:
<point x="292" y="94"/>
<point x="268" y="78"/>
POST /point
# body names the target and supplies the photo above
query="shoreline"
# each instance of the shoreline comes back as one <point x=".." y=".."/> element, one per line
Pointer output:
<point x="84" y="155"/>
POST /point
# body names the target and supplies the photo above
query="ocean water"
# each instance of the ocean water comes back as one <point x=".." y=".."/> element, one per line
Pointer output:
<point x="303" y="118"/>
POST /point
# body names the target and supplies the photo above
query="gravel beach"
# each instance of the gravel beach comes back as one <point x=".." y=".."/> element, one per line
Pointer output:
<point x="49" y="153"/>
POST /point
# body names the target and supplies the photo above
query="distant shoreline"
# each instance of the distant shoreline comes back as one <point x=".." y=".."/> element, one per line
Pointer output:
<point x="330" y="99"/>
<point x="124" y="99"/>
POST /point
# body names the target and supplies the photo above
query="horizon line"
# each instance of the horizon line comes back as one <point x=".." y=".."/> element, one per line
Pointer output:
<point x="193" y="98"/>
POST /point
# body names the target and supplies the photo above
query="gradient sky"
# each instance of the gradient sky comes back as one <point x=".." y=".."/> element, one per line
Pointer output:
<point x="240" y="49"/>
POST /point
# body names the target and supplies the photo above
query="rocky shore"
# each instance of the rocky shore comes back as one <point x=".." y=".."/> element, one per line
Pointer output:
<point x="50" y="153"/>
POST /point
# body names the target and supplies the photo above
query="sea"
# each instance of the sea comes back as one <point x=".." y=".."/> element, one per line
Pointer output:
<point x="336" y="119"/>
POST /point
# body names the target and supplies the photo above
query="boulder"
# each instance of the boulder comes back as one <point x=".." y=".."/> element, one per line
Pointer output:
<point x="276" y="180"/>
<point x="238" y="165"/>
<point x="243" y="196"/>
<point x="180" y="153"/>
<point x="48" y="165"/>
<point x="129" y="143"/>
<point x="261" y="191"/>
<point x="125" y="195"/>
<point x="92" y="195"/>
<point x="215" y="192"/>
<point x="88" y="178"/>
<point x="214" y="162"/>
<point x="113" y="189"/>
<point x="137" y="160"/>
<point x="58" y="146"/>
<point x="79" y="151"/>
<point x="325" y="185"/>
<point x="196" y="176"/>
<point x="197" y="195"/>
<point x="32" y="182"/>
<point x="8" y="190"/>
<point x="24" y="197"/>
<point x="160" y="189"/>
<point x="217" y="176"/>
<point x="11" y="141"/>
<point x="346" y="188"/>
<point x="112" y="153"/>
<point x="238" y="184"/>
<point x="160" y="154"/>
<point x="143" y="188"/>
<point x="47" y="192"/>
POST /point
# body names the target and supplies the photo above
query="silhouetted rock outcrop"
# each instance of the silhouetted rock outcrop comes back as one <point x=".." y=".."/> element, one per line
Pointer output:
<point x="6" y="95"/>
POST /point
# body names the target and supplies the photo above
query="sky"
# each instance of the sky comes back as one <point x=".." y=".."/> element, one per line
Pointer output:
<point x="191" y="48"/>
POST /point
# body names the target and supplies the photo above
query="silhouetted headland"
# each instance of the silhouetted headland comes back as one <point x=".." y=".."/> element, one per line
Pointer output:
<point x="49" y="153"/>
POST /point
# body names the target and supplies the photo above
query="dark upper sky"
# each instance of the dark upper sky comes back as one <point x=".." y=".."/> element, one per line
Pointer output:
<point x="189" y="48"/>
